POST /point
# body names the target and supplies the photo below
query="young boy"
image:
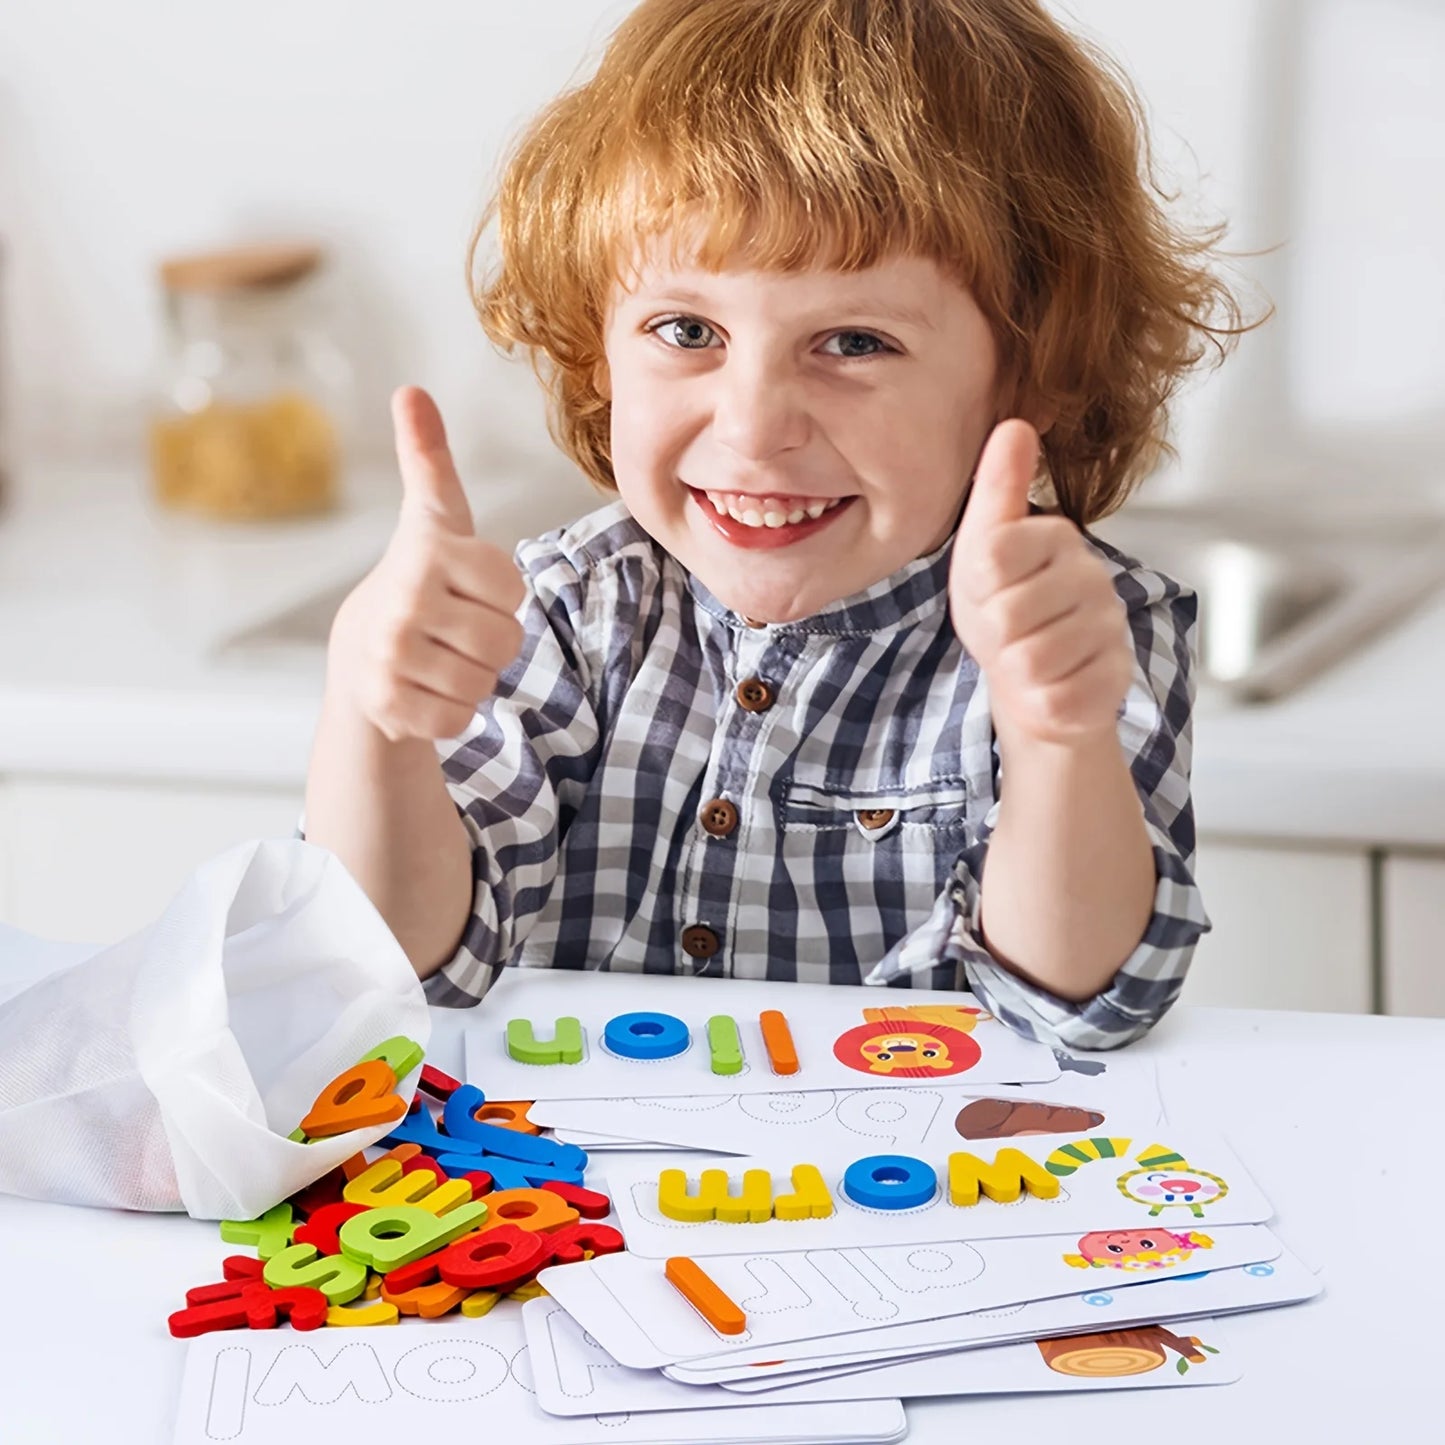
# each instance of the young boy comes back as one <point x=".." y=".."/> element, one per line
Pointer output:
<point x="804" y="277"/>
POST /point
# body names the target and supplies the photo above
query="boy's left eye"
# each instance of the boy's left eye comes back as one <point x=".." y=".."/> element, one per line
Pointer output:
<point x="856" y="343"/>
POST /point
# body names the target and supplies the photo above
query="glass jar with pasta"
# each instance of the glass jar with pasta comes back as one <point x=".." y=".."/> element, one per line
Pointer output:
<point x="254" y="388"/>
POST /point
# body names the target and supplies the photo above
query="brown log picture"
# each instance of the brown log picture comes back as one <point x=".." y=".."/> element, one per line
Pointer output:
<point x="1012" y="1118"/>
<point x="1119" y="1352"/>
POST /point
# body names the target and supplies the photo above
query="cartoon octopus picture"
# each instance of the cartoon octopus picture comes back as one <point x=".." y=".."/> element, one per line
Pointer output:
<point x="918" y="1042"/>
<point x="1136" y="1249"/>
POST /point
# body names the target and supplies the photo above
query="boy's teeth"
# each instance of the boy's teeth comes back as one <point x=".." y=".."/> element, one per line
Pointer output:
<point x="767" y="511"/>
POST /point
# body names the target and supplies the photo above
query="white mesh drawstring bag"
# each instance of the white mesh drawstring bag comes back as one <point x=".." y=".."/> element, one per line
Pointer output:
<point x="166" y="1072"/>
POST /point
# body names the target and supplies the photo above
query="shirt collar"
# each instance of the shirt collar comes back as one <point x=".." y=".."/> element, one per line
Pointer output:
<point x="918" y="590"/>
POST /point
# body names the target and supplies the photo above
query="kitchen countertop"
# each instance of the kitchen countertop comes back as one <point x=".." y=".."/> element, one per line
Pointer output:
<point x="110" y="613"/>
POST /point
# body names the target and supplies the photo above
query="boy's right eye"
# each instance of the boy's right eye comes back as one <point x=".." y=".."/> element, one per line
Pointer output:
<point x="686" y="333"/>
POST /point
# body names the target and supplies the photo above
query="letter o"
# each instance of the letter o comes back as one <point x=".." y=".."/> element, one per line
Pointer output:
<point x="646" y="1036"/>
<point x="890" y="1181"/>
<point x="450" y="1370"/>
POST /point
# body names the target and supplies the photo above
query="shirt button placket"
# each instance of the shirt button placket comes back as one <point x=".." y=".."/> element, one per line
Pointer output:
<point x="719" y="819"/>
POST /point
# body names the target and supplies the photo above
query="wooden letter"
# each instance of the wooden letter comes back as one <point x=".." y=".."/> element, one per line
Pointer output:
<point x="778" y="1040"/>
<point x="690" y="1281"/>
<point x="1011" y="1172"/>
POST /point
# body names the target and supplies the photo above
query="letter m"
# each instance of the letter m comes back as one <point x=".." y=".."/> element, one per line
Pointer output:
<point x="1011" y="1172"/>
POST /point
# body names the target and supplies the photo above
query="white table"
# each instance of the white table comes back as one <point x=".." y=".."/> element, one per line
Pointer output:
<point x="85" y="1358"/>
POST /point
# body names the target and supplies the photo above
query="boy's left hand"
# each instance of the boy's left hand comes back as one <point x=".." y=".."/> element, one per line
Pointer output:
<point x="1035" y="606"/>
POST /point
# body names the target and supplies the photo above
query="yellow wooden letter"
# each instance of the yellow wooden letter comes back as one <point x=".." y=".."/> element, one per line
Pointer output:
<point x="810" y="1198"/>
<point x="714" y="1198"/>
<point x="377" y="1313"/>
<point x="1011" y="1172"/>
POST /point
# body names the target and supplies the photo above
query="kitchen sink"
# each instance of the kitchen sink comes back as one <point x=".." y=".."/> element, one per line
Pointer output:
<point x="1284" y="593"/>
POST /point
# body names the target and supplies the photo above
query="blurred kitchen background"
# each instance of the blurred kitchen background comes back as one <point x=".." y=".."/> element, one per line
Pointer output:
<point x="227" y="232"/>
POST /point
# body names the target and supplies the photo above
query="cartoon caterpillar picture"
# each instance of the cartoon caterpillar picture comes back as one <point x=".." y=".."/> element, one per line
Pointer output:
<point x="1165" y="1179"/>
<point x="921" y="1041"/>
<point x="1068" y="1157"/>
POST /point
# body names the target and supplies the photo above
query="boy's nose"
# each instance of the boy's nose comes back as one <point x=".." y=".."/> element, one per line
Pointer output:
<point x="757" y="413"/>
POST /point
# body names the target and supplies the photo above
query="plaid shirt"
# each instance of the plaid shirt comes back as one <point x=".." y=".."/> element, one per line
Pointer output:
<point x="659" y="786"/>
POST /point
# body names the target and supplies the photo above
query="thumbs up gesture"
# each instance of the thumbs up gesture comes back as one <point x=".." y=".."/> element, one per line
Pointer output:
<point x="1035" y="605"/>
<point x="419" y="643"/>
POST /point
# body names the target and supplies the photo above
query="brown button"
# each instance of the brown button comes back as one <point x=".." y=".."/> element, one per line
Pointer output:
<point x="699" y="941"/>
<point x="748" y="622"/>
<point x="718" y="817"/>
<point x="872" y="818"/>
<point x="754" y="694"/>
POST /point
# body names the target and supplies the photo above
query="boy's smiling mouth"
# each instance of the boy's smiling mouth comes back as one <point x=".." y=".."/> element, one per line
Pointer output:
<point x="766" y="522"/>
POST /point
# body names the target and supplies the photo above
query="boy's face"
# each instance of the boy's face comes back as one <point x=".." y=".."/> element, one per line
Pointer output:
<point x="792" y="438"/>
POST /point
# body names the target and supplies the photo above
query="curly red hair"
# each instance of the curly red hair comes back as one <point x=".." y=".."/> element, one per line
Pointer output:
<point x="794" y="133"/>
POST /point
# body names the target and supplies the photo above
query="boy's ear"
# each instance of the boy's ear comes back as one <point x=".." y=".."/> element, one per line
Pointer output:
<point x="602" y="381"/>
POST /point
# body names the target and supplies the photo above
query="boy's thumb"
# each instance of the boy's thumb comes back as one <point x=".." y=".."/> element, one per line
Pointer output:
<point x="1000" y="491"/>
<point x="429" y="481"/>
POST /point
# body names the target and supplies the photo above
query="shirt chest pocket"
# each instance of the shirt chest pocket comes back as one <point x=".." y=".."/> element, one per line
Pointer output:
<point x="928" y="814"/>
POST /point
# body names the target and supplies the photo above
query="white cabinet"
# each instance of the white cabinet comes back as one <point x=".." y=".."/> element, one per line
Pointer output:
<point x="1412" y="935"/>
<point x="1292" y="929"/>
<point x="91" y="861"/>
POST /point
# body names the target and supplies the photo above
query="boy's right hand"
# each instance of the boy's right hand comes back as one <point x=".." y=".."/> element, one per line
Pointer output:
<point x="419" y="643"/>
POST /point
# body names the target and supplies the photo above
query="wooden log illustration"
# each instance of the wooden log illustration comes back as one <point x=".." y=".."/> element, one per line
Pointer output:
<point x="1011" y="1118"/>
<point x="1118" y="1352"/>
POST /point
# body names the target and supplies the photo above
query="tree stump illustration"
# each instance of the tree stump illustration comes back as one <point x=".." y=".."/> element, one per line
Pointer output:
<point x="1120" y="1352"/>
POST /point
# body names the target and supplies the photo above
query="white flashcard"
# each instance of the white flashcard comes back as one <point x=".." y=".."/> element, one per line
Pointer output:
<point x="1123" y="1194"/>
<point x="880" y="1119"/>
<point x="626" y="1303"/>
<point x="607" y="1143"/>
<point x="647" y="1034"/>
<point x="1143" y="1356"/>
<point x="575" y="1376"/>
<point x="1284" y="1280"/>
<point x="447" y="1379"/>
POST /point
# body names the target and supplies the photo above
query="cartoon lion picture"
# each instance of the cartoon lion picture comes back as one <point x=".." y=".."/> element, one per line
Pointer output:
<point x="917" y="1042"/>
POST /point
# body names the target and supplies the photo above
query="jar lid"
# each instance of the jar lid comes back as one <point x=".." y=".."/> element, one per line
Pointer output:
<point x="240" y="268"/>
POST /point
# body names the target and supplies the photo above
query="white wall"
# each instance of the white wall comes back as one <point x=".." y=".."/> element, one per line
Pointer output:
<point x="127" y="131"/>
